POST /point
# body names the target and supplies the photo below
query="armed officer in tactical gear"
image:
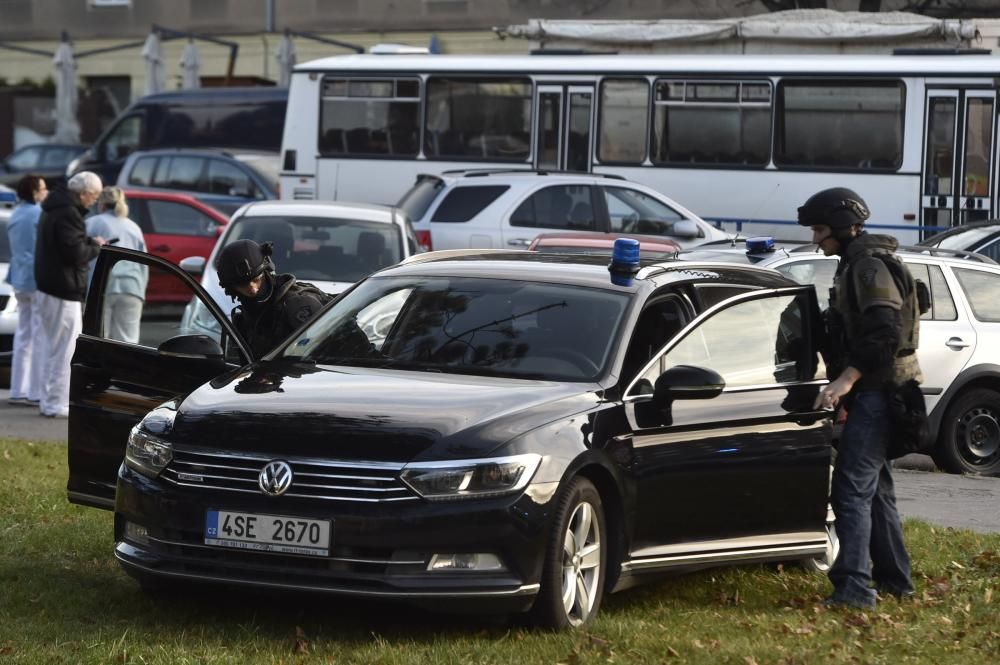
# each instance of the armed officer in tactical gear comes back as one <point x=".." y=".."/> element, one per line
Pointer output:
<point x="271" y="306"/>
<point x="873" y="327"/>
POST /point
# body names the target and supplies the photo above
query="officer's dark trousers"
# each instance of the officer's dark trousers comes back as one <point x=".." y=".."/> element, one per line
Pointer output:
<point x="864" y="503"/>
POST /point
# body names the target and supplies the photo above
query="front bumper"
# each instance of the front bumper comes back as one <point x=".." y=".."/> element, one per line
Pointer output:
<point x="377" y="550"/>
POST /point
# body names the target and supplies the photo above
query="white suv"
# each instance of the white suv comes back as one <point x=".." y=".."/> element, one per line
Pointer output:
<point x="497" y="208"/>
<point x="959" y="342"/>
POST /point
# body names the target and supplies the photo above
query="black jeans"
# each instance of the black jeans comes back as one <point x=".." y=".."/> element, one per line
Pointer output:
<point x="864" y="502"/>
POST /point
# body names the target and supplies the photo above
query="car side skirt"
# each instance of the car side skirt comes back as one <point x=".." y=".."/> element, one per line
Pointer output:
<point x="708" y="553"/>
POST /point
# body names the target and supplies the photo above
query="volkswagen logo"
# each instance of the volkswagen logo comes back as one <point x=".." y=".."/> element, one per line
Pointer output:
<point x="275" y="478"/>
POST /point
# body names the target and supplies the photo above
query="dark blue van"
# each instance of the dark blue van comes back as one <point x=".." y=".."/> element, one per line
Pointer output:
<point x="242" y="118"/>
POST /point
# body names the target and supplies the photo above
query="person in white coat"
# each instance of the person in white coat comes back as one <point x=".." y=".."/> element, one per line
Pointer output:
<point x="27" y="366"/>
<point x="125" y="291"/>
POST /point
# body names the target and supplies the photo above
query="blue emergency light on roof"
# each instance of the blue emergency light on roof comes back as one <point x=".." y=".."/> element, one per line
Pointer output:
<point x="624" y="261"/>
<point x="760" y="244"/>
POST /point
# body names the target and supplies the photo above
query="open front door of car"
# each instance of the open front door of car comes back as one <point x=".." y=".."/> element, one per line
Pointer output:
<point x="132" y="356"/>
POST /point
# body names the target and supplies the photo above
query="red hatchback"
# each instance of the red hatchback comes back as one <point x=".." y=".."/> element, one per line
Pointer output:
<point x="175" y="227"/>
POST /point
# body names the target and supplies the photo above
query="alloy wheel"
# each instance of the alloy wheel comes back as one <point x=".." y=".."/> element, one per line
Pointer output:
<point x="581" y="564"/>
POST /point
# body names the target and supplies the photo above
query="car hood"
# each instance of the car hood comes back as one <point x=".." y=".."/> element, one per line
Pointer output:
<point x="368" y="414"/>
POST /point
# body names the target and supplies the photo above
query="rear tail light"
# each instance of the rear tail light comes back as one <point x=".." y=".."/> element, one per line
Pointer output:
<point x="424" y="240"/>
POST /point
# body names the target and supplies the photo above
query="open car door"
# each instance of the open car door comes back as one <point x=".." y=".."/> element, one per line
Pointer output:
<point x="134" y="354"/>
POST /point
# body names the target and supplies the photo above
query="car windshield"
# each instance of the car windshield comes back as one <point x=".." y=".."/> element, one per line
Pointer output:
<point x="967" y="239"/>
<point x="419" y="198"/>
<point x="466" y="325"/>
<point x="323" y="248"/>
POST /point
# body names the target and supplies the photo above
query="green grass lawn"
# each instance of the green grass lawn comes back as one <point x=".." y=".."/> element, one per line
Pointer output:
<point x="64" y="599"/>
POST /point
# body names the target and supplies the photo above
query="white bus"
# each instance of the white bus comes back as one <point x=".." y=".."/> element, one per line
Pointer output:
<point x="741" y="140"/>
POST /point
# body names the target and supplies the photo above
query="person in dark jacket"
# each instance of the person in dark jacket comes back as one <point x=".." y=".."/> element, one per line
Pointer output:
<point x="873" y="326"/>
<point x="272" y="306"/>
<point x="62" y="252"/>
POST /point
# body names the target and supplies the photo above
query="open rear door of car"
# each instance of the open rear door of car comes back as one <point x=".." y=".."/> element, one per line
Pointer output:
<point x="122" y="367"/>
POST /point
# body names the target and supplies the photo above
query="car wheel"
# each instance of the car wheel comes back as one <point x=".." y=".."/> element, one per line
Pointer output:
<point x="969" y="440"/>
<point x="575" y="559"/>
<point x="823" y="563"/>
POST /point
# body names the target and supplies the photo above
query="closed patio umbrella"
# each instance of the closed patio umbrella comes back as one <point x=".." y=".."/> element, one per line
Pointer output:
<point x="67" y="127"/>
<point x="156" y="78"/>
<point x="286" y="60"/>
<point x="190" y="67"/>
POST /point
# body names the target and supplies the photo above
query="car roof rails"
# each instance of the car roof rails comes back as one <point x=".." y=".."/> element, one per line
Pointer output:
<point x="940" y="50"/>
<point x="949" y="253"/>
<point x="568" y="51"/>
<point x="481" y="173"/>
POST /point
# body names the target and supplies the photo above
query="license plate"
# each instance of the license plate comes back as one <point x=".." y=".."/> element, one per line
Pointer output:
<point x="267" y="533"/>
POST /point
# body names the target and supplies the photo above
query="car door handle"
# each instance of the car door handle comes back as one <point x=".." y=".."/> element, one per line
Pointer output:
<point x="160" y="248"/>
<point x="519" y="242"/>
<point x="957" y="343"/>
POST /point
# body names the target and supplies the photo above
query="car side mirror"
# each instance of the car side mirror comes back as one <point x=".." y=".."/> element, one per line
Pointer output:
<point x="193" y="265"/>
<point x="687" y="382"/>
<point x="685" y="228"/>
<point x="191" y="347"/>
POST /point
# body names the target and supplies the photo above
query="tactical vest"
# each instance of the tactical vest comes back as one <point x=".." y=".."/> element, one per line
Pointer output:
<point x="851" y="297"/>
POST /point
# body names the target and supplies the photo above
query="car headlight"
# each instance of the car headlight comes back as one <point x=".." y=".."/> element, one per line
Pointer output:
<point x="470" y="479"/>
<point x="147" y="452"/>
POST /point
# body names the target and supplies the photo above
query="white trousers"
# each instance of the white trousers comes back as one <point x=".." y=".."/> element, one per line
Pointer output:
<point x="27" y="369"/>
<point x="122" y="314"/>
<point x="62" y="321"/>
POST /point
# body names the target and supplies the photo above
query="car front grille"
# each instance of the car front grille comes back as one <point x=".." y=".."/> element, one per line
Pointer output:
<point x="322" y="479"/>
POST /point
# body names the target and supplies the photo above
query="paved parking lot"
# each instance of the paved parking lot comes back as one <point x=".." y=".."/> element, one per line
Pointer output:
<point x="965" y="502"/>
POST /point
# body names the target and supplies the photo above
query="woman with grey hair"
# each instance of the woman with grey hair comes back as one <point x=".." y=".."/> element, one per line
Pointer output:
<point x="62" y="251"/>
<point x="125" y="291"/>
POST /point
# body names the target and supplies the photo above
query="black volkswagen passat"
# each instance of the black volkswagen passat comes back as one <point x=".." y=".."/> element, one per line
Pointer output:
<point x="504" y="431"/>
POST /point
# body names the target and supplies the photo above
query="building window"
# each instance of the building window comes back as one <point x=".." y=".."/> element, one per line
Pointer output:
<point x="843" y="125"/>
<point x="712" y="122"/>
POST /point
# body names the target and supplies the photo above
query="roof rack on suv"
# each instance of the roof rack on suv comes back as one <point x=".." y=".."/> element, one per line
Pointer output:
<point x="479" y="173"/>
<point x="953" y="253"/>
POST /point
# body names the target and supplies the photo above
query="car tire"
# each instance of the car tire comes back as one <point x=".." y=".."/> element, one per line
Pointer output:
<point x="969" y="439"/>
<point x="572" y="584"/>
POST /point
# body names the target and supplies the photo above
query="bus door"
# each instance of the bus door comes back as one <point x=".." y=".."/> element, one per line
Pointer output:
<point x="960" y="150"/>
<point x="564" y="127"/>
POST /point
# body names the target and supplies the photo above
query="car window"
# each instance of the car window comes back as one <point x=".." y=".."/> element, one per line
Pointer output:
<point x="466" y="325"/>
<point x="142" y="172"/>
<point x="57" y="157"/>
<point x="632" y="211"/>
<point x="323" y="248"/>
<point x="138" y="212"/>
<point x="966" y="239"/>
<point x="25" y="159"/>
<point x="567" y="207"/>
<point x="818" y="272"/>
<point x="229" y="180"/>
<point x="982" y="289"/>
<point x="179" y="173"/>
<point x="942" y="305"/>
<point x="991" y="249"/>
<point x="463" y="203"/>
<point x="172" y="218"/>
<point x="124" y="139"/>
<point x="755" y="342"/>
<point x="418" y="199"/>
<point x="4" y="243"/>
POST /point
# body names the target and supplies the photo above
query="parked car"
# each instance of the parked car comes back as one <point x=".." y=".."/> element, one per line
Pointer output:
<point x="959" y="338"/>
<point x="527" y="435"/>
<point x="980" y="237"/>
<point x="48" y="160"/>
<point x="237" y="118"/>
<point x="224" y="179"/>
<point x="175" y="226"/>
<point x="8" y="306"/>
<point x="507" y="208"/>
<point x="595" y="242"/>
<point x="329" y="244"/>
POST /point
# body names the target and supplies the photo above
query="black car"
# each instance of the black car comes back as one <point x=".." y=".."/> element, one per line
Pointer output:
<point x="980" y="237"/>
<point x="501" y="431"/>
<point x="48" y="160"/>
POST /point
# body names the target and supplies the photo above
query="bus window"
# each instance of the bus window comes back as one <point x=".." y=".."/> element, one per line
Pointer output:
<point x="847" y="125"/>
<point x="712" y="122"/>
<point x="370" y="117"/>
<point x="478" y="119"/>
<point x="623" y="116"/>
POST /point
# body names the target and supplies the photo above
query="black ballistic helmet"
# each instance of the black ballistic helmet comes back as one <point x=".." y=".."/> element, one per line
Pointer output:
<point x="838" y="207"/>
<point x="241" y="261"/>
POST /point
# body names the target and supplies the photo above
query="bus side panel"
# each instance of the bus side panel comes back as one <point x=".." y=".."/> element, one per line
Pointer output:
<point x="766" y="201"/>
<point x="301" y="134"/>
